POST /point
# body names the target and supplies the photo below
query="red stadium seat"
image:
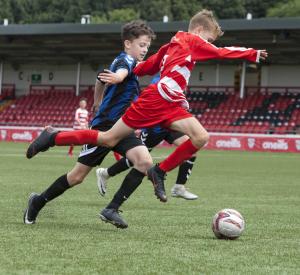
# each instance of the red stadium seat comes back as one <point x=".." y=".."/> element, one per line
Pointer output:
<point x="217" y="111"/>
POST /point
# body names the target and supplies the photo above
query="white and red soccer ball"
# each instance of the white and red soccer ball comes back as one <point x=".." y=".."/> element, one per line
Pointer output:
<point x="228" y="224"/>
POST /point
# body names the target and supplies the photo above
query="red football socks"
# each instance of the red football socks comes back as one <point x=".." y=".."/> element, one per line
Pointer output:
<point x="78" y="137"/>
<point x="183" y="152"/>
<point x="70" y="153"/>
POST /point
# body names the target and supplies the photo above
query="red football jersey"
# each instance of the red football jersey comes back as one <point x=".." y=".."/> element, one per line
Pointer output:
<point x="81" y="119"/>
<point x="176" y="60"/>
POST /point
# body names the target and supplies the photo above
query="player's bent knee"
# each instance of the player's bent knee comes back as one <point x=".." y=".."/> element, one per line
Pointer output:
<point x="107" y="139"/>
<point x="75" y="179"/>
<point x="143" y="165"/>
<point x="205" y="137"/>
<point x="201" y="139"/>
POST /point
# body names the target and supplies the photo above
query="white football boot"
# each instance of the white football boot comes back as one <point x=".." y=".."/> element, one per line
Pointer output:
<point x="179" y="191"/>
<point x="102" y="177"/>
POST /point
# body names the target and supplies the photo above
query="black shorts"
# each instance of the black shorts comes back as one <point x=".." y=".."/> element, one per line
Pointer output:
<point x="154" y="136"/>
<point x="92" y="155"/>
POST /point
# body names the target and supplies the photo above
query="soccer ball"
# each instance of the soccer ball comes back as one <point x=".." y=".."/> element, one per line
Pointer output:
<point x="228" y="224"/>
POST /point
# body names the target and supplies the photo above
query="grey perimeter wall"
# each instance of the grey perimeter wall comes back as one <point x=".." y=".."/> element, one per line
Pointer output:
<point x="203" y="75"/>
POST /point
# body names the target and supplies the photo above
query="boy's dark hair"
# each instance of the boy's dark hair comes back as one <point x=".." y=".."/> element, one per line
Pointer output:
<point x="135" y="29"/>
<point x="83" y="99"/>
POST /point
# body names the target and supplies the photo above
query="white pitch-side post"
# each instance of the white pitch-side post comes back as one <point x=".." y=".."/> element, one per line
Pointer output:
<point x="1" y="75"/>
<point x="217" y="74"/>
<point x="242" y="87"/>
<point x="78" y="79"/>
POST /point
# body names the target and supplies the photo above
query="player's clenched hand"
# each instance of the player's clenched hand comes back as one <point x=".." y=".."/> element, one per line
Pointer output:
<point x="263" y="54"/>
<point x="109" y="77"/>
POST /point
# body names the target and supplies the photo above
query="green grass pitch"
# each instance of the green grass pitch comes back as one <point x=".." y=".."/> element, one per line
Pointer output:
<point x="171" y="238"/>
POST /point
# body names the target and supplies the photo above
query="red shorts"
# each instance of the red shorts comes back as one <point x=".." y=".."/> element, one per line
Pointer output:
<point x="151" y="109"/>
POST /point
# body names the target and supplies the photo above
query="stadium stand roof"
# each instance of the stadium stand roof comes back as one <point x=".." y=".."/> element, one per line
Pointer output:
<point x="94" y="44"/>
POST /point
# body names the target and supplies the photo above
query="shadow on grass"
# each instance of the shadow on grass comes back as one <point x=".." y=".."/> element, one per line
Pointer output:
<point x="66" y="226"/>
<point x="212" y="238"/>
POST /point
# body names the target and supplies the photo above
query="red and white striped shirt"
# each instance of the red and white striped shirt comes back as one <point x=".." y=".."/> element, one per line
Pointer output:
<point x="176" y="60"/>
<point x="81" y="119"/>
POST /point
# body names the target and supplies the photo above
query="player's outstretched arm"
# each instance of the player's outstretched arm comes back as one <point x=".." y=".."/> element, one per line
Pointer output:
<point x="152" y="65"/>
<point x="204" y="50"/>
<point x="263" y="55"/>
<point x="111" y="78"/>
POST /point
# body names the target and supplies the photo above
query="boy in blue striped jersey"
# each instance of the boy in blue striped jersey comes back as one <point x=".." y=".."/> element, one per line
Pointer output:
<point x="114" y="93"/>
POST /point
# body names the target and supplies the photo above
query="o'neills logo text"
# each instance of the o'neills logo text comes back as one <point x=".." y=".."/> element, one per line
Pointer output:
<point x="231" y="143"/>
<point x="22" y="136"/>
<point x="280" y="144"/>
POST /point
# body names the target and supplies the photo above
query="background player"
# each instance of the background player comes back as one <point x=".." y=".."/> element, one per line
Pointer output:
<point x="81" y="120"/>
<point x="151" y="138"/>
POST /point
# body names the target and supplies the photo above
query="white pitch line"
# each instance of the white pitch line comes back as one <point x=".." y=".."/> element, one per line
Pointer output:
<point x="212" y="154"/>
<point x="60" y="156"/>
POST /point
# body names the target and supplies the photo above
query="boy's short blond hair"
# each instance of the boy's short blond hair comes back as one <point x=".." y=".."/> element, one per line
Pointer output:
<point x="206" y="19"/>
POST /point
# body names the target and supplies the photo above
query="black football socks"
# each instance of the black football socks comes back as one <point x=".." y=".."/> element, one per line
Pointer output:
<point x="133" y="179"/>
<point x="54" y="190"/>
<point x="120" y="166"/>
<point x="185" y="170"/>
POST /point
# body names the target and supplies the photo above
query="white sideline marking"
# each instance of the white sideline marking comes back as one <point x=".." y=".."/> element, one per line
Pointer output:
<point x="60" y="156"/>
<point x="221" y="154"/>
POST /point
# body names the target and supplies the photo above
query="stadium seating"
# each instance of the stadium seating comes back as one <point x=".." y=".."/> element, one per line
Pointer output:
<point x="263" y="113"/>
<point x="218" y="110"/>
<point x="45" y="106"/>
<point x="7" y="91"/>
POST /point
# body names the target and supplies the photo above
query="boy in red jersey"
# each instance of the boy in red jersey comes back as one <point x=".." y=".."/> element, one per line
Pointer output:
<point x="163" y="103"/>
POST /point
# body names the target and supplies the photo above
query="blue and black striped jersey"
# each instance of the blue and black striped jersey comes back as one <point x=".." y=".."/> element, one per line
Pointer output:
<point x="117" y="98"/>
